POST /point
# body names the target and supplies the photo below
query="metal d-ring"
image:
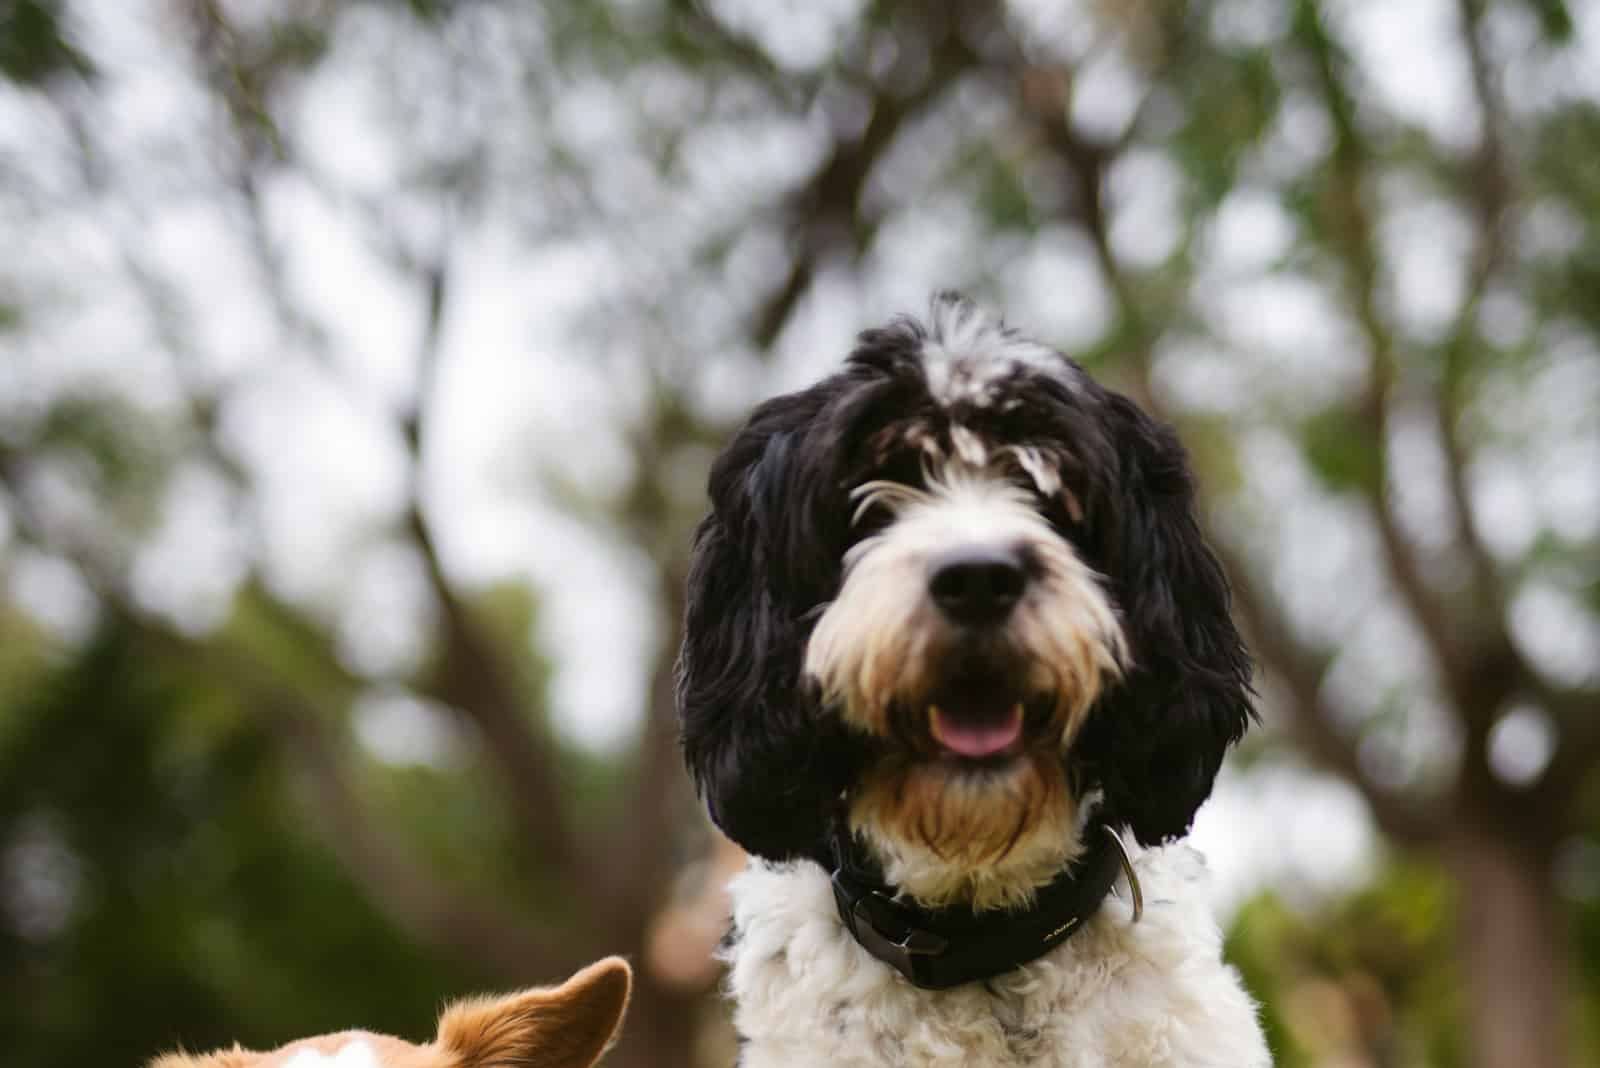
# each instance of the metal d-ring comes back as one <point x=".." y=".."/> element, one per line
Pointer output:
<point x="1127" y="869"/>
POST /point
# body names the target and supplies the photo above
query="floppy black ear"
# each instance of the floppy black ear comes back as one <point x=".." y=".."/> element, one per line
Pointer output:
<point x="1155" y="742"/>
<point x="770" y="766"/>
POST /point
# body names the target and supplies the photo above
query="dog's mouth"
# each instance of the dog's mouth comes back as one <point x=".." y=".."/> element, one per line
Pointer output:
<point x="977" y="732"/>
<point x="982" y="725"/>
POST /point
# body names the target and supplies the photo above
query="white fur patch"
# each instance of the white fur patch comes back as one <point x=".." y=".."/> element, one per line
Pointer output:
<point x="353" y="1054"/>
<point x="969" y="352"/>
<point x="1118" y="994"/>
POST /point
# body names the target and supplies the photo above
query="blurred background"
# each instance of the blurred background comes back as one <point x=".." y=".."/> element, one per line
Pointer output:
<point x="361" y="363"/>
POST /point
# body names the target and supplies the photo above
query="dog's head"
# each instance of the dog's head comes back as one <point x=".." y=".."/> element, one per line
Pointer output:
<point x="567" y="1026"/>
<point x="948" y="594"/>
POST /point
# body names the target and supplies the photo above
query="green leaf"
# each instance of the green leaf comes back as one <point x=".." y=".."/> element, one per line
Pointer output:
<point x="1554" y="19"/>
<point x="32" y="47"/>
<point x="1002" y="197"/>
<point x="1229" y="99"/>
<point x="1342" y="450"/>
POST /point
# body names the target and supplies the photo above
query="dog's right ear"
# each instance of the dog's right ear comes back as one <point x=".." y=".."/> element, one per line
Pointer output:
<point x="568" y="1026"/>
<point x="770" y="768"/>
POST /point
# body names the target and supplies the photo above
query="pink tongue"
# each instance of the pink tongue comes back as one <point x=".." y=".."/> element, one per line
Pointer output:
<point x="976" y="739"/>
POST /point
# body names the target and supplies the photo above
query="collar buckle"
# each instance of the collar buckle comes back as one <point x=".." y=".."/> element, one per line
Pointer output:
<point x="881" y="925"/>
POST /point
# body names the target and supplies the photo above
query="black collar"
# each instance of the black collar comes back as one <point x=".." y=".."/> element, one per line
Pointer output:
<point x="940" y="948"/>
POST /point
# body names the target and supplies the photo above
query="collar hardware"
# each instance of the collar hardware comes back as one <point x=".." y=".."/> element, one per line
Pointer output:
<point x="881" y="926"/>
<point x="1134" y="889"/>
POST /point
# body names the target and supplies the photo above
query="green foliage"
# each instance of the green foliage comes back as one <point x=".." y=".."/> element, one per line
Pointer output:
<point x="294" y="45"/>
<point x="200" y="900"/>
<point x="1341" y="448"/>
<point x="1228" y="100"/>
<point x="1554" y="19"/>
<point x="32" y="45"/>
<point x="1572" y="132"/>
<point x="1372" y="972"/>
<point x="125" y="451"/>
<point x="1373" y="976"/>
<point x="431" y="10"/>
<point x="1001" y="194"/>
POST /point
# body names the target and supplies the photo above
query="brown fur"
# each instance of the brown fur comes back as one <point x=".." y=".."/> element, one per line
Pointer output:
<point x="568" y="1026"/>
<point x="571" y="1025"/>
<point x="966" y="820"/>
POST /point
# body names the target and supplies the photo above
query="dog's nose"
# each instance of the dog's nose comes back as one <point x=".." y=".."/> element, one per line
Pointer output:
<point x="975" y="586"/>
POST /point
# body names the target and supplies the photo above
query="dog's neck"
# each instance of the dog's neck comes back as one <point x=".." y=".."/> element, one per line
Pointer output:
<point x="930" y="880"/>
<point x="937" y="948"/>
<point x="918" y="873"/>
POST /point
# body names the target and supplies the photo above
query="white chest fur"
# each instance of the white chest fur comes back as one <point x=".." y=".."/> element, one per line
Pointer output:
<point x="1155" y="994"/>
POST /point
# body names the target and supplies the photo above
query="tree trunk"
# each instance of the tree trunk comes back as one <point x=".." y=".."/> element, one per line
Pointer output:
<point x="1512" y="949"/>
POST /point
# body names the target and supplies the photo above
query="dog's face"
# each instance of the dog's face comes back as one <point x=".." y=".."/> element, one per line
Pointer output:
<point x="567" y="1026"/>
<point x="968" y="642"/>
<point x="946" y="595"/>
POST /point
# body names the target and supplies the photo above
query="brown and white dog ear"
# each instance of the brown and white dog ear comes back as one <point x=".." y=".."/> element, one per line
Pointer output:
<point x="568" y="1026"/>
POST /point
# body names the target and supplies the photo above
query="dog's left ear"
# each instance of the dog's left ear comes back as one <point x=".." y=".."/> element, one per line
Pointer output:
<point x="769" y="764"/>
<point x="1155" y="742"/>
<point x="568" y="1026"/>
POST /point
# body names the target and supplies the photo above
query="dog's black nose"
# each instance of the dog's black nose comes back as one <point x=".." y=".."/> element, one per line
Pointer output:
<point x="975" y="586"/>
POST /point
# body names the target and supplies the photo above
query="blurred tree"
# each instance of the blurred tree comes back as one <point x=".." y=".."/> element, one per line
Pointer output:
<point x="1372" y="978"/>
<point x="1347" y="248"/>
<point x="161" y="885"/>
<point x="576" y="856"/>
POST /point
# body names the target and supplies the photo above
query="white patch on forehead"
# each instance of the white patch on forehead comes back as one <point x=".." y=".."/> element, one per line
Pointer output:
<point x="969" y="352"/>
<point x="353" y="1054"/>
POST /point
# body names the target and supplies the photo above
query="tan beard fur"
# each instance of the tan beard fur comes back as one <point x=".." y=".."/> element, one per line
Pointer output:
<point x="987" y="838"/>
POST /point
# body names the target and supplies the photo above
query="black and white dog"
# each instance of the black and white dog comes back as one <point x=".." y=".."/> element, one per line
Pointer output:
<point x="958" y="669"/>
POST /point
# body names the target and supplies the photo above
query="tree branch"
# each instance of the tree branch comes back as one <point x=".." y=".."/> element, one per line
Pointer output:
<point x="825" y="213"/>
<point x="1481" y="667"/>
<point x="471" y="927"/>
<point x="646" y="831"/>
<point x="473" y="675"/>
<point x="1576" y="760"/>
<point x="1358" y="261"/>
<point x="1312" y="721"/>
<point x="1491" y="191"/>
